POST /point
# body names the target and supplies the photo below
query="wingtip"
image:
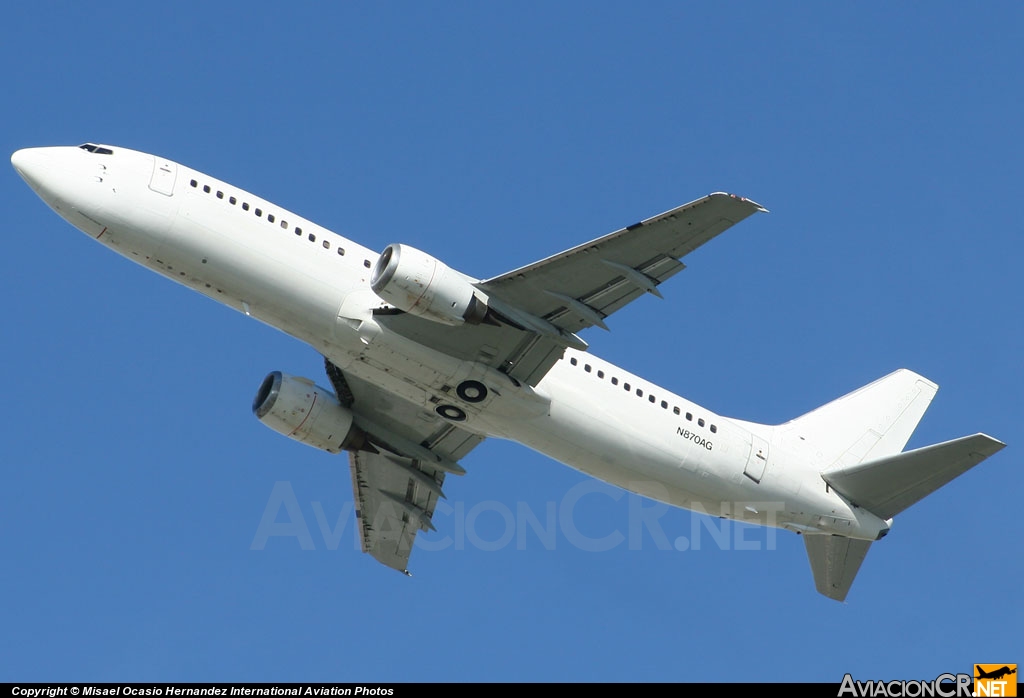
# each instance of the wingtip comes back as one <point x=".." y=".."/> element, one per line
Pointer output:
<point x="995" y="443"/>
<point x="744" y="199"/>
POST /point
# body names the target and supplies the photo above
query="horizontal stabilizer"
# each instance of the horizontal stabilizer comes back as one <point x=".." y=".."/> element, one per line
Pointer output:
<point x="834" y="562"/>
<point x="886" y="486"/>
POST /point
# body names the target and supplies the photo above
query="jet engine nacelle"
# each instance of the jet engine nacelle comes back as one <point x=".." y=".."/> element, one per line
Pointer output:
<point x="421" y="285"/>
<point x="302" y="410"/>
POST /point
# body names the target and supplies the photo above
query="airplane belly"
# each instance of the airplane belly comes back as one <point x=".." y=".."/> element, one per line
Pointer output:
<point x="604" y="447"/>
<point x="240" y="269"/>
<point x="480" y="398"/>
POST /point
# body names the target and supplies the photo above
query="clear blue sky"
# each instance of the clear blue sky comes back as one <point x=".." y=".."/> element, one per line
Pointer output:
<point x="885" y="139"/>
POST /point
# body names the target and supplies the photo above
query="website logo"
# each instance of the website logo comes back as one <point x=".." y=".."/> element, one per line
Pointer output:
<point x="995" y="680"/>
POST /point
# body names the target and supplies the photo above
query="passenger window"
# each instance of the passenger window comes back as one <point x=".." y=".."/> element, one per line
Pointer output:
<point x="587" y="368"/>
<point x="259" y="213"/>
<point x="341" y="251"/>
<point x="232" y="200"/>
<point x="615" y="381"/>
<point x="625" y="386"/>
<point x="245" y="206"/>
<point x="714" y="429"/>
<point x="573" y="361"/>
<point x="327" y="244"/>
<point x="312" y="237"/>
<point x="664" y="405"/>
<point x="220" y="195"/>
<point x="689" y="417"/>
<point x="639" y="392"/>
<point x="366" y="263"/>
<point x="298" y="231"/>
<point x="600" y="374"/>
<point x="284" y="224"/>
<point x="651" y="399"/>
<point x="270" y="217"/>
<point x="700" y="422"/>
<point x="206" y="188"/>
<point x="675" y="410"/>
<point x="194" y="183"/>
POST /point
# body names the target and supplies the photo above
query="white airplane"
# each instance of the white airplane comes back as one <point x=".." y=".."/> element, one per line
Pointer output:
<point x="426" y="362"/>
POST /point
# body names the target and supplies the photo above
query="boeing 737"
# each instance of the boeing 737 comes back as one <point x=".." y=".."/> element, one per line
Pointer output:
<point x="425" y="362"/>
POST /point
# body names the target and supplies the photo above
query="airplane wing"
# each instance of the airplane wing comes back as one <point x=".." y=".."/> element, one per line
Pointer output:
<point x="580" y="287"/>
<point x="397" y="484"/>
<point x="576" y="289"/>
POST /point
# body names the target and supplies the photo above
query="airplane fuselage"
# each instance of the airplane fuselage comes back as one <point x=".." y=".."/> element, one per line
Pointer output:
<point x="313" y="284"/>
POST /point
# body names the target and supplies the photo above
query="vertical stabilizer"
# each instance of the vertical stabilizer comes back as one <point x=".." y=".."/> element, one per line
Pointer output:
<point x="871" y="422"/>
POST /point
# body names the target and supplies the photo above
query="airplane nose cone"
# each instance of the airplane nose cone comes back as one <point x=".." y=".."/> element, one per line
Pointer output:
<point x="31" y="164"/>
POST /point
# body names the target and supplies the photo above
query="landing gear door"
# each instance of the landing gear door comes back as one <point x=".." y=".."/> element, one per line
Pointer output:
<point x="164" y="174"/>
<point x="758" y="458"/>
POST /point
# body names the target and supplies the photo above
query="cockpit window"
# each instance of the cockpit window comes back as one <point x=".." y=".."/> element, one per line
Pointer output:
<point x="99" y="150"/>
